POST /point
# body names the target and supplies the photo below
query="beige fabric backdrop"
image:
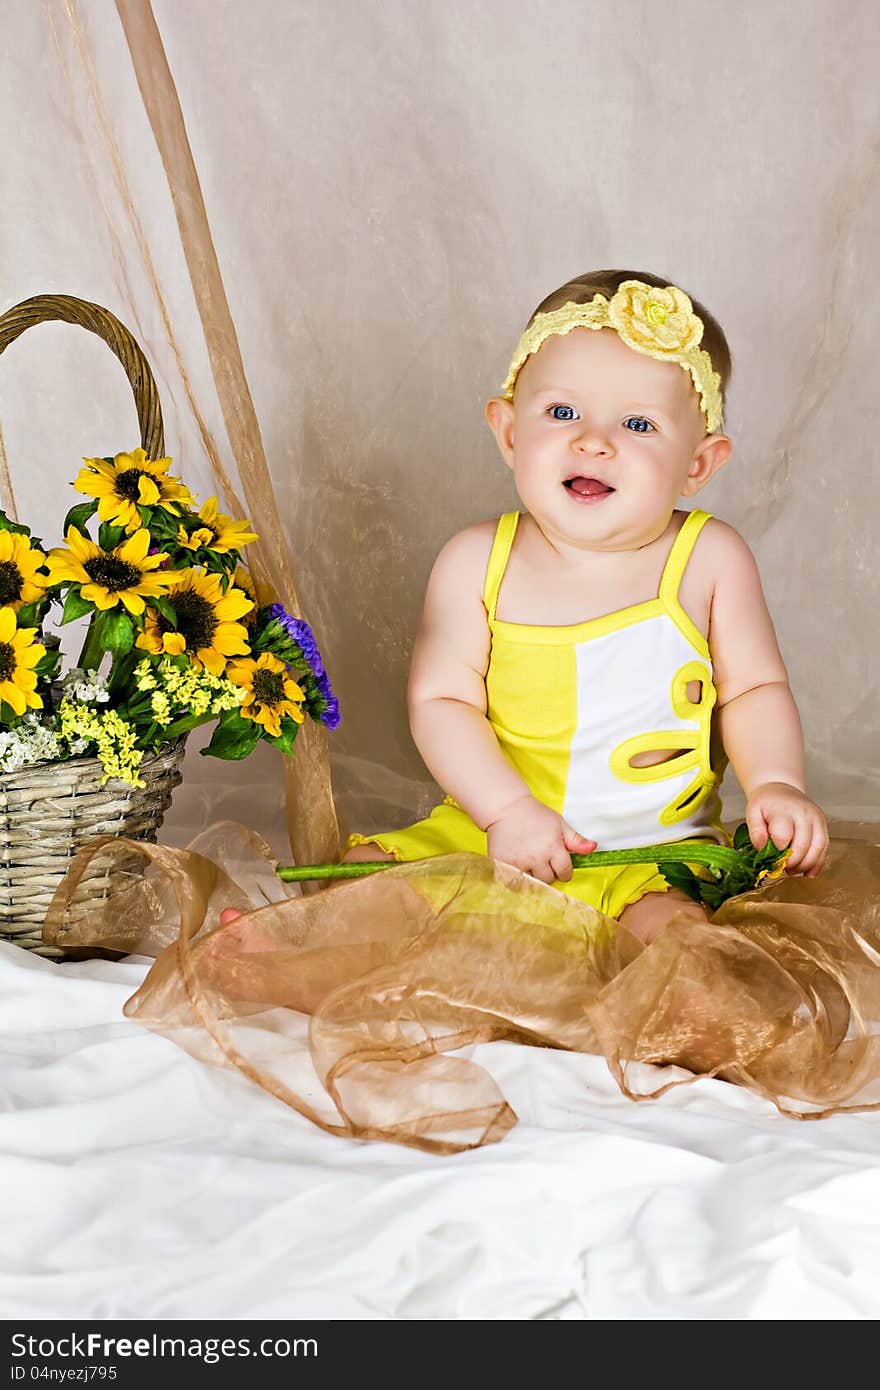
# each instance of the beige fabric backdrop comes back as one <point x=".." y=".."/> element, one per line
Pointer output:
<point x="391" y="190"/>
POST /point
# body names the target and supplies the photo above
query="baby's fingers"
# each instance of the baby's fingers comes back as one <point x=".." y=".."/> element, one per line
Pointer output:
<point x="560" y="865"/>
<point x="800" y="848"/>
<point x="814" y="861"/>
<point x="544" y="872"/>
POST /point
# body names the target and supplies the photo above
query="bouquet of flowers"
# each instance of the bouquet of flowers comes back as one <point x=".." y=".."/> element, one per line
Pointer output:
<point x="175" y="636"/>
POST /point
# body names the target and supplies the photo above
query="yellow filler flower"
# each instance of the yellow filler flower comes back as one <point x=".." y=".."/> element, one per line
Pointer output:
<point x="206" y="627"/>
<point x="131" y="480"/>
<point x="271" y="694"/>
<point x="19" y="562"/>
<point x="109" y="577"/>
<point x="19" y="653"/>
<point x="217" y="532"/>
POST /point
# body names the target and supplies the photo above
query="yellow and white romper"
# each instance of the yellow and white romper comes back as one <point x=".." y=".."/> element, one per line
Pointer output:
<point x="571" y="705"/>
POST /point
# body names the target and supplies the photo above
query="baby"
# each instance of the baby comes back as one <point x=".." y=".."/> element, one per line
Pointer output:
<point x="585" y="669"/>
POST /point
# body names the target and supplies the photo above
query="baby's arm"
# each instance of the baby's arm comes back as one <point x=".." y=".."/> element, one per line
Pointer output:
<point x="447" y="704"/>
<point x="758" y="719"/>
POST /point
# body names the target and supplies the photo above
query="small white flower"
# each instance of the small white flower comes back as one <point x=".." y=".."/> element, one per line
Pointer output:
<point x="30" y="742"/>
<point x="88" y="686"/>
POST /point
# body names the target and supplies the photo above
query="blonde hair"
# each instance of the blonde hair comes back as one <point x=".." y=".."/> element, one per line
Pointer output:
<point x="581" y="289"/>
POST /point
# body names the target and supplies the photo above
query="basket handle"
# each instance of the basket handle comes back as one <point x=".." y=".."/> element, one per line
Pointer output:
<point x="44" y="308"/>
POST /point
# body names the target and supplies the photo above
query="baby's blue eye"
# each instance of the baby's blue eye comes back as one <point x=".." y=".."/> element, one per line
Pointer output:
<point x="567" y="419"/>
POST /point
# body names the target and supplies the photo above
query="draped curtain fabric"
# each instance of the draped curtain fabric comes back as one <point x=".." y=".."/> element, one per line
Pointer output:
<point x="389" y="197"/>
<point x="327" y="224"/>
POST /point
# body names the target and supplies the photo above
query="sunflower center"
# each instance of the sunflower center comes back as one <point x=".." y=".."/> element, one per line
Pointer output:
<point x="268" y="687"/>
<point x="112" y="573"/>
<point x="7" y="661"/>
<point x="196" y="619"/>
<point x="127" y="481"/>
<point x="11" y="580"/>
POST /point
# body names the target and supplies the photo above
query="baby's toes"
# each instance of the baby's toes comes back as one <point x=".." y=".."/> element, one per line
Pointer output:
<point x="228" y="915"/>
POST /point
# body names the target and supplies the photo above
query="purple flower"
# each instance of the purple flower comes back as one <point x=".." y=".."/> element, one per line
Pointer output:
<point x="331" y="718"/>
<point x="301" y="634"/>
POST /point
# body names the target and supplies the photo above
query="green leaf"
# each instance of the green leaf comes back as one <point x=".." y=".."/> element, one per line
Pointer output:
<point x="48" y="664"/>
<point x="289" y="731"/>
<point x="233" y="738"/>
<point x="741" y="837"/>
<point x="28" y="615"/>
<point x="767" y="852"/>
<point x="110" y="536"/>
<point x="166" y="608"/>
<point x="6" y="524"/>
<point x="75" y="606"/>
<point x="680" y="876"/>
<point x="8" y="717"/>
<point x="78" y="516"/>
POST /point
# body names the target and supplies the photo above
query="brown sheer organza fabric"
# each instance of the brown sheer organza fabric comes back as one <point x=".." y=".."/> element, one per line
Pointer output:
<point x="312" y="820"/>
<point x="348" y="1004"/>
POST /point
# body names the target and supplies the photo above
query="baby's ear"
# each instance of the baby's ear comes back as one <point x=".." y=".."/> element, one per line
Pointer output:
<point x="710" y="455"/>
<point x="501" y="417"/>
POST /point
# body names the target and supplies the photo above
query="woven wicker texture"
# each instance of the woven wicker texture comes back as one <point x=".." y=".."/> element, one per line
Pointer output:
<point x="51" y="810"/>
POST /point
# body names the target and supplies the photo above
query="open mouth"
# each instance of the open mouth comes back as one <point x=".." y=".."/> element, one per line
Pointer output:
<point x="587" y="489"/>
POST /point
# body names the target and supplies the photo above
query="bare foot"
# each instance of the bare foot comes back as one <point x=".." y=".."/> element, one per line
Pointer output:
<point x="649" y="916"/>
<point x="356" y="853"/>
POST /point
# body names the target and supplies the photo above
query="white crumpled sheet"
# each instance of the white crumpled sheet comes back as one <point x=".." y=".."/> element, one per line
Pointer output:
<point x="140" y="1183"/>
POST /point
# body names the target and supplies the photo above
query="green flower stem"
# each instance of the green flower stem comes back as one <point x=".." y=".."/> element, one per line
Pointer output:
<point x="93" y="647"/>
<point x="715" y="856"/>
<point x="189" y="721"/>
<point x="121" y="671"/>
<point x="290" y="873"/>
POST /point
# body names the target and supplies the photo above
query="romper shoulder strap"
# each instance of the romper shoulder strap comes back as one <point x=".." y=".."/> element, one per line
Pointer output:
<point x="680" y="554"/>
<point x="498" y="557"/>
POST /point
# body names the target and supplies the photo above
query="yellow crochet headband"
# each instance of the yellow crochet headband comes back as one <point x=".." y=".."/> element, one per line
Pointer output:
<point x="659" y="322"/>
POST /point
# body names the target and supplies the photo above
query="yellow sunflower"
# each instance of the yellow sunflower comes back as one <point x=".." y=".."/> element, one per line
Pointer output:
<point x="109" y="577"/>
<point x="19" y="653"/>
<point x="271" y="694"/>
<point x="206" y="626"/>
<point x="242" y="580"/>
<point x="131" y="480"/>
<point x="19" y="562"/>
<point x="778" y="869"/>
<point x="217" y="532"/>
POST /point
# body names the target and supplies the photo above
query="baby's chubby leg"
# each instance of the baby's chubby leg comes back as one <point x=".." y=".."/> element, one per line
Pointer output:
<point x="653" y="912"/>
<point x="358" y="852"/>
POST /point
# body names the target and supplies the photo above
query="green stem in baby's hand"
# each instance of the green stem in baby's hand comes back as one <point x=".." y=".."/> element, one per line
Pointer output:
<point x="733" y="870"/>
<point x="715" y="856"/>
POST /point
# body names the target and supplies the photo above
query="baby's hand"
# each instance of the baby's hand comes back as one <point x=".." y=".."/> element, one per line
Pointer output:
<point x="532" y="837"/>
<point x="791" y="819"/>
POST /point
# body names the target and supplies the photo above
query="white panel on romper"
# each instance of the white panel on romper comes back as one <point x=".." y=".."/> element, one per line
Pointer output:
<point x="624" y="687"/>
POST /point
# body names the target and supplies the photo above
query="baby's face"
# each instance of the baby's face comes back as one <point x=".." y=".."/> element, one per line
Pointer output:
<point x="586" y="406"/>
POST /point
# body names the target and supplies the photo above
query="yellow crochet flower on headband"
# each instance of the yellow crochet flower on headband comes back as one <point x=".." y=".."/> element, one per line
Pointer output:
<point x="660" y="322"/>
<point x="657" y="321"/>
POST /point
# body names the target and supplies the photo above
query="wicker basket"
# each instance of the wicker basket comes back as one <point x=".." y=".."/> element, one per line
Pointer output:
<point x="51" y="810"/>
